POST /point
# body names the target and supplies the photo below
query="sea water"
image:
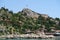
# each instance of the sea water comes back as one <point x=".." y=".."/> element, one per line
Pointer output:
<point x="56" y="38"/>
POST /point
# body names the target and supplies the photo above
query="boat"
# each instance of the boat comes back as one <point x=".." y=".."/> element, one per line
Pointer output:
<point x="57" y="34"/>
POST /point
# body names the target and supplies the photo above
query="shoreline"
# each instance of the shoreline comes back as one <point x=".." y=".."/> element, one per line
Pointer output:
<point x="26" y="36"/>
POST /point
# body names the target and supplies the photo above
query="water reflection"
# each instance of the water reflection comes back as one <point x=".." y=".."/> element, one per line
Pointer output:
<point x="56" y="38"/>
<point x="39" y="39"/>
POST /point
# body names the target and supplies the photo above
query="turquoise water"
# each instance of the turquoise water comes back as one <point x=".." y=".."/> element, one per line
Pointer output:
<point x="56" y="38"/>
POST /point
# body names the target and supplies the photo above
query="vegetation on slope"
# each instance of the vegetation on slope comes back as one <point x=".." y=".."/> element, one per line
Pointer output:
<point x="25" y="20"/>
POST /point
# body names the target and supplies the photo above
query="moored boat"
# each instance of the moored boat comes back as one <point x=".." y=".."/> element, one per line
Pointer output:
<point x="57" y="34"/>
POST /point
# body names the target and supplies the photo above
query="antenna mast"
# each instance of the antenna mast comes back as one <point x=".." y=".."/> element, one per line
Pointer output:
<point x="4" y="5"/>
<point x="26" y="6"/>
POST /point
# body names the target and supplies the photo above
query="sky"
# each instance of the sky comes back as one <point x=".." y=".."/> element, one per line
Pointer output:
<point x="49" y="7"/>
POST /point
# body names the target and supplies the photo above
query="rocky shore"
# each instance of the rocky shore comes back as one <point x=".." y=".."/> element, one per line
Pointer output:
<point x="27" y="36"/>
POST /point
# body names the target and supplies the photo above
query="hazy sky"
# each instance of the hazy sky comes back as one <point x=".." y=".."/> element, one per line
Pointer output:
<point x="50" y="7"/>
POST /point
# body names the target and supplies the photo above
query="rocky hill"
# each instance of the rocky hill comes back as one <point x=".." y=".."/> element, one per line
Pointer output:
<point x="25" y="20"/>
